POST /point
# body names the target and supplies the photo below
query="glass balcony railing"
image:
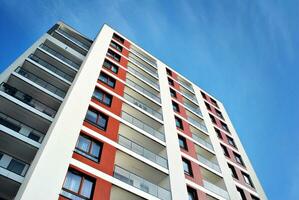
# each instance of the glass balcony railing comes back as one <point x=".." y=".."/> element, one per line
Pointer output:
<point x="202" y="141"/>
<point x="142" y="151"/>
<point x="186" y="85"/>
<point x="40" y="82"/>
<point x="138" y="123"/>
<point x="13" y="165"/>
<point x="196" y="110"/>
<point x="25" y="98"/>
<point x="73" y="39"/>
<point x="209" y="163"/>
<point x="143" y="106"/>
<point x="20" y="128"/>
<point x="142" y="90"/>
<point x="143" y="57"/>
<point x="133" y="71"/>
<point x="193" y="98"/>
<point x="140" y="183"/>
<point x="215" y="189"/>
<point x="59" y="56"/>
<point x="50" y="67"/>
<point x="198" y="124"/>
<point x="143" y="66"/>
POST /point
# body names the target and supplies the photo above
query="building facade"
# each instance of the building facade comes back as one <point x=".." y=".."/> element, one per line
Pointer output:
<point x="103" y="119"/>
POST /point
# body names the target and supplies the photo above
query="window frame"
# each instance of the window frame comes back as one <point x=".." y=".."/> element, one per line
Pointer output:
<point x="175" y="107"/>
<point x="105" y="95"/>
<point x="177" y="119"/>
<point x="239" y="159"/>
<point x="116" y="46"/>
<point x="192" y="192"/>
<point x="188" y="164"/>
<point x="115" y="56"/>
<point x="99" y="114"/>
<point x="109" y="78"/>
<point x="172" y="93"/>
<point x="110" y="65"/>
<point x="183" y="141"/>
<point x="118" y="38"/>
<point x="88" y="154"/>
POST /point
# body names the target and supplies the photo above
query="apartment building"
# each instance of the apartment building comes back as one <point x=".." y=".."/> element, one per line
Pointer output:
<point x="103" y="119"/>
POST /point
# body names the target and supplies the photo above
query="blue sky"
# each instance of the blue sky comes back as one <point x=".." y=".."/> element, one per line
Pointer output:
<point x="243" y="52"/>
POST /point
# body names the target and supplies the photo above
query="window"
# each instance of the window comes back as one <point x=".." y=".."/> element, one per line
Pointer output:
<point x="231" y="141"/>
<point x="109" y="65"/>
<point x="172" y="93"/>
<point x="34" y="137"/>
<point x="233" y="171"/>
<point x="225" y="151"/>
<point x="219" y="114"/>
<point x="219" y="135"/>
<point x="116" y="46"/>
<point x="77" y="186"/>
<point x="208" y="106"/>
<point x="247" y="179"/>
<point x="241" y="194"/>
<point x="113" y="55"/>
<point x="192" y="194"/>
<point x="254" y="197"/>
<point x="224" y="126"/>
<point x="170" y="81"/>
<point x="238" y="159"/>
<point x="16" y="166"/>
<point x="89" y="148"/>
<point x="99" y="119"/>
<point x="169" y="72"/>
<point x="213" y="119"/>
<point x="214" y="102"/>
<point x="187" y="167"/>
<point x="118" y="38"/>
<point x="10" y="125"/>
<point x="107" y="80"/>
<point x="102" y="96"/>
<point x="179" y="123"/>
<point x="203" y="95"/>
<point x="183" y="142"/>
<point x="175" y="106"/>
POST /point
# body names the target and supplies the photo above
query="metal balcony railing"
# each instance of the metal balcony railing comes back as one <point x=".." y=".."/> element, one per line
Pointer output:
<point x="140" y="183"/>
<point x="25" y="98"/>
<point x="143" y="106"/>
<point x="142" y="151"/>
<point x="59" y="56"/>
<point x="51" y="67"/>
<point x="138" y="123"/>
<point x="40" y="82"/>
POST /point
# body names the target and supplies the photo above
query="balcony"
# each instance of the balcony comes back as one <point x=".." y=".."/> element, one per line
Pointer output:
<point x="207" y="158"/>
<point x="142" y="75"/>
<point x="118" y="193"/>
<point x="50" y="67"/>
<point x="189" y="95"/>
<point x="143" y="55"/>
<point x="145" y="66"/>
<point x="143" y="106"/>
<point x="141" y="176"/>
<point x="214" y="183"/>
<point x="73" y="39"/>
<point x="202" y="139"/>
<point x="194" y="108"/>
<point x="28" y="100"/>
<point x="30" y="76"/>
<point x="143" y="88"/>
<point x="60" y="56"/>
<point x="185" y="84"/>
<point x="143" y="126"/>
<point x="140" y="150"/>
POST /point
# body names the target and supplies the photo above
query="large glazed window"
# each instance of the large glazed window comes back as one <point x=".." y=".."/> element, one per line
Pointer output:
<point x="97" y="118"/>
<point x="89" y="148"/>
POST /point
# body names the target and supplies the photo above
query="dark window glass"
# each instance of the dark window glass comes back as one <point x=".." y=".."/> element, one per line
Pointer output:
<point x="238" y="159"/>
<point x="99" y="119"/>
<point x="9" y="125"/>
<point x="218" y="113"/>
<point x="111" y="66"/>
<point x="203" y="95"/>
<point x="172" y="93"/>
<point x="89" y="148"/>
<point x="224" y="126"/>
<point x="219" y="135"/>
<point x="231" y="141"/>
<point x="113" y="55"/>
<point x="247" y="179"/>
<point x="183" y="142"/>
<point x="208" y="106"/>
<point x="192" y="194"/>
<point x="16" y="166"/>
<point x="214" y="102"/>
<point x="102" y="96"/>
<point x="169" y="72"/>
<point x="254" y="197"/>
<point x="107" y="80"/>
<point x="225" y="151"/>
<point x="171" y="82"/>
<point x="175" y="107"/>
<point x="118" y="38"/>
<point x="34" y="136"/>
<point x="241" y="194"/>
<point x="116" y="46"/>
<point x="179" y="123"/>
<point x="77" y="186"/>
<point x="233" y="171"/>
<point x="213" y="119"/>
<point x="187" y="167"/>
